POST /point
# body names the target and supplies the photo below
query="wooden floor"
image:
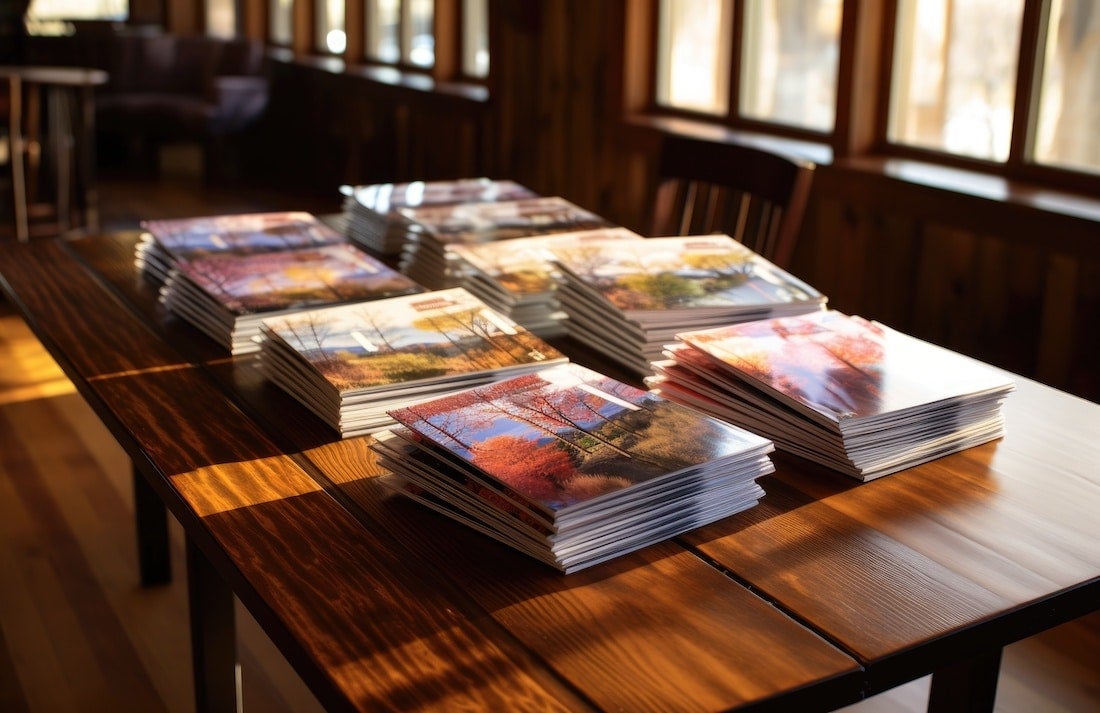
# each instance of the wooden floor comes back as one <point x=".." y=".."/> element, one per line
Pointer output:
<point x="78" y="633"/>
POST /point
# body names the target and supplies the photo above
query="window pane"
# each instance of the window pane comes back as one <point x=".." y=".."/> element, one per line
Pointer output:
<point x="955" y="75"/>
<point x="77" y="10"/>
<point x="281" y="21"/>
<point x="693" y="55"/>
<point x="420" y="33"/>
<point x="221" y="18"/>
<point x="330" y="26"/>
<point x="1069" y="109"/>
<point x="789" y="62"/>
<point x="383" y="22"/>
<point x="475" y="38"/>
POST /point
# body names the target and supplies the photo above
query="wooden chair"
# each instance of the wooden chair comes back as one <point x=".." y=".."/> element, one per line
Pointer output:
<point x="719" y="186"/>
<point x="12" y="108"/>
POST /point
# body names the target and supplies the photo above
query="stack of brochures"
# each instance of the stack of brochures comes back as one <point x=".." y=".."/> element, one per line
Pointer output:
<point x="626" y="300"/>
<point x="572" y="467"/>
<point x="228" y="296"/>
<point x="840" y="390"/>
<point x="350" y="364"/>
<point x="373" y="216"/>
<point x="164" y="243"/>
<point x="517" y="277"/>
<point x="425" y="259"/>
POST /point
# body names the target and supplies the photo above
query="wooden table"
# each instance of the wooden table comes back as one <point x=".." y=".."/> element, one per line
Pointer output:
<point x="828" y="591"/>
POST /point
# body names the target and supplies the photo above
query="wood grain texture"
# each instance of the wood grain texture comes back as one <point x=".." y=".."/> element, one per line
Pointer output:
<point x="272" y="553"/>
<point x="79" y="634"/>
<point x="935" y="553"/>
<point x="695" y="634"/>
<point x="95" y="344"/>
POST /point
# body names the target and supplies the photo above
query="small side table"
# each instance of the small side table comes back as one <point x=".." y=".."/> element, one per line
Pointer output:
<point x="68" y="139"/>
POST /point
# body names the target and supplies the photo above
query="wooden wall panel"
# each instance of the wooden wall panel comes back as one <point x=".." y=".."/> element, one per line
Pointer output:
<point x="328" y="124"/>
<point x="1029" y="306"/>
<point x="556" y="82"/>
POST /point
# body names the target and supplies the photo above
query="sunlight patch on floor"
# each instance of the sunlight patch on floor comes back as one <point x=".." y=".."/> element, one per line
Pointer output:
<point x="26" y="370"/>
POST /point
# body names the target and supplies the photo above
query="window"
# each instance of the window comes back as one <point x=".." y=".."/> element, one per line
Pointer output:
<point x="693" y="51"/>
<point x="1007" y="86"/>
<point x="419" y="33"/>
<point x="401" y="32"/>
<point x="50" y="17"/>
<point x="954" y="77"/>
<point x="383" y="23"/>
<point x="281" y="22"/>
<point x="1068" y="131"/>
<point x="451" y="43"/>
<point x="475" y="38"/>
<point x="330" y="26"/>
<point x="40" y="10"/>
<point x="789" y="62"/>
<point x="785" y="70"/>
<point x="221" y="18"/>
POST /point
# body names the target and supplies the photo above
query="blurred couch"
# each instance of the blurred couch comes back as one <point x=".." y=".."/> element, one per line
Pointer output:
<point x="167" y="88"/>
<point x="181" y="87"/>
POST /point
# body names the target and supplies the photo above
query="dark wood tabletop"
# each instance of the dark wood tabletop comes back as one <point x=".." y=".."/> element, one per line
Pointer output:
<point x="827" y="591"/>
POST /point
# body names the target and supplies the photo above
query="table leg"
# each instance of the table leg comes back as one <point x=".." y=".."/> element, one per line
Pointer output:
<point x="60" y="134"/>
<point x="86" y="160"/>
<point x="213" y="636"/>
<point x="968" y="686"/>
<point x="151" y="516"/>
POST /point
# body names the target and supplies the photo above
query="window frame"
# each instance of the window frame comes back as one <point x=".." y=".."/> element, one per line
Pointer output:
<point x="448" y="31"/>
<point x="864" y="77"/>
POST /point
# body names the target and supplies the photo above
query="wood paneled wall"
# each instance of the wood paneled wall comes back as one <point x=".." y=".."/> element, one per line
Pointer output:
<point x="556" y="83"/>
<point x="328" y="125"/>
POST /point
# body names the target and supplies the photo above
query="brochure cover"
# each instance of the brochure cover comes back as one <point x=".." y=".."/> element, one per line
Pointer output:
<point x="522" y="267"/>
<point x="571" y="467"/>
<point x="467" y="223"/>
<point x="683" y="273"/>
<point x="402" y="341"/>
<point x="566" y="438"/>
<point x="245" y="233"/>
<point x="294" y="279"/>
<point x="841" y="369"/>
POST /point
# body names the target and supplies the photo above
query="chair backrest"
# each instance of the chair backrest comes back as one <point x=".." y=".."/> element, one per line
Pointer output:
<point x="755" y="195"/>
